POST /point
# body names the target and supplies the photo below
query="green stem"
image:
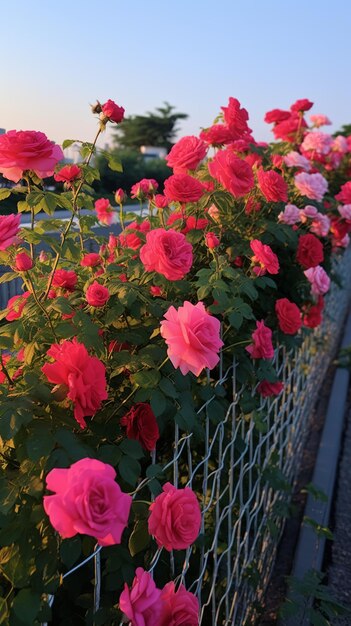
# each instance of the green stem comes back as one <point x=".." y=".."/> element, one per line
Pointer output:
<point x="42" y="308"/>
<point x="74" y="213"/>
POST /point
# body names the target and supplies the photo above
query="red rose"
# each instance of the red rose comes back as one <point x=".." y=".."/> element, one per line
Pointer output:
<point x="168" y="253"/>
<point x="302" y="105"/>
<point x="23" y="262"/>
<point x="267" y="389"/>
<point x="9" y="227"/>
<point x="16" y="305"/>
<point x="276" y="116"/>
<point x="112" y="111"/>
<point x="144" y="188"/>
<point x="65" y="279"/>
<point x="289" y="316"/>
<point x="68" y="173"/>
<point x="287" y="129"/>
<point x="236" y="118"/>
<point x="183" y="188"/>
<point x="186" y="154"/>
<point x="261" y="347"/>
<point x="92" y="259"/>
<point x="141" y="425"/>
<point x="27" y="150"/>
<point x="272" y="185"/>
<point x="265" y="257"/>
<point x="211" y="240"/>
<point x="309" y="251"/>
<point x="313" y="314"/>
<point x="232" y="172"/>
<point x="344" y="194"/>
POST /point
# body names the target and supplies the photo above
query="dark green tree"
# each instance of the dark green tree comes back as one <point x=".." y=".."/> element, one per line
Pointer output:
<point x="152" y="129"/>
<point x="345" y="130"/>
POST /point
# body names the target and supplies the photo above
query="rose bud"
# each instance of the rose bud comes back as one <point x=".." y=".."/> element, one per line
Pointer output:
<point x="23" y="262"/>
<point x="120" y="196"/>
<point x="211" y="241"/>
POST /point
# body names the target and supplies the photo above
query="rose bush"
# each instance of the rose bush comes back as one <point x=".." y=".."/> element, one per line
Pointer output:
<point x="105" y="353"/>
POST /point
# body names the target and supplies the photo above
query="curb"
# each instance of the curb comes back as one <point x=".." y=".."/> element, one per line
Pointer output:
<point x="310" y="547"/>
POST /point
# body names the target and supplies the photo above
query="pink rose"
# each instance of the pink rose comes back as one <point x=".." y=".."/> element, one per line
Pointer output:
<point x="272" y="185"/>
<point x="276" y="115"/>
<point x="25" y="150"/>
<point x="65" y="279"/>
<point x="97" y="295"/>
<point x="104" y="211"/>
<point x="168" y="253"/>
<point x="175" y="518"/>
<point x="9" y="227"/>
<point x="232" y="172"/>
<point x="320" y="120"/>
<point x="112" y="111"/>
<point x="144" y="188"/>
<point x="211" y="240"/>
<point x="92" y="259"/>
<point x="236" y="118"/>
<point x="183" y="188"/>
<point x="265" y="257"/>
<point x="319" y="279"/>
<point x="82" y="375"/>
<point x="345" y="211"/>
<point x="186" y="154"/>
<point x="87" y="500"/>
<point x="23" y="262"/>
<point x="67" y="174"/>
<point x="318" y="142"/>
<point x="192" y="337"/>
<point x="288" y="129"/>
<point x="16" y="305"/>
<point x="290" y="215"/>
<point x="262" y="347"/>
<point x="294" y="159"/>
<point x="320" y="225"/>
<point x="178" y="607"/>
<point x="314" y="186"/>
<point x="141" y="604"/>
<point x="160" y="201"/>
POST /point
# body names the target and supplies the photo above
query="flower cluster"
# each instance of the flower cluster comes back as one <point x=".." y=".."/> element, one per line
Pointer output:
<point x="111" y="342"/>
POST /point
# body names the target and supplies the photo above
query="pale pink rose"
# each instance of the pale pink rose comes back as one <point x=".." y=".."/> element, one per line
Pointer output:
<point x="294" y="159"/>
<point x="290" y="215"/>
<point x="168" y="253"/>
<point x="87" y="500"/>
<point x="318" y="142"/>
<point x="345" y="211"/>
<point x="192" y="337"/>
<point x="213" y="212"/>
<point x="308" y="212"/>
<point x="320" y="225"/>
<point x="262" y="347"/>
<point x="141" y="604"/>
<point x="81" y="374"/>
<point x="340" y="144"/>
<point x="97" y="295"/>
<point x="320" y="120"/>
<point x="25" y="150"/>
<point x="319" y="279"/>
<point x="178" y="607"/>
<point x="175" y="518"/>
<point x="186" y="154"/>
<point x="314" y="186"/>
<point x="9" y="227"/>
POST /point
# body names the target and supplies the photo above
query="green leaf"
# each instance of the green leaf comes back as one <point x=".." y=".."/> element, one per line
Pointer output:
<point x="114" y="164"/>
<point x="140" y="537"/>
<point x="68" y="142"/>
<point x="16" y="565"/>
<point x="235" y="319"/>
<point x="5" y="278"/>
<point x="4" y="193"/>
<point x="146" y="378"/>
<point x="26" y="605"/>
<point x="14" y="415"/>
<point x="70" y="550"/>
<point x="154" y="470"/>
<point x="158" y="402"/>
<point x="129" y="470"/>
<point x="132" y="448"/>
<point x="168" y="388"/>
<point x="40" y="441"/>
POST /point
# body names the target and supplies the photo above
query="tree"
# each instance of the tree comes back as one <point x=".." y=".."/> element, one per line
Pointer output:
<point x="345" y="130"/>
<point x="152" y="129"/>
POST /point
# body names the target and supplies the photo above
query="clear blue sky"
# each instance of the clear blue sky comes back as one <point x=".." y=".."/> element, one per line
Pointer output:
<point x="58" y="57"/>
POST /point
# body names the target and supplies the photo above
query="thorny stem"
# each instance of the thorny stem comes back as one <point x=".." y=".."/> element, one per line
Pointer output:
<point x="74" y="214"/>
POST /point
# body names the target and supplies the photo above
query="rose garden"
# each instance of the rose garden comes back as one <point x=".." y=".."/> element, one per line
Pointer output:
<point x="147" y="450"/>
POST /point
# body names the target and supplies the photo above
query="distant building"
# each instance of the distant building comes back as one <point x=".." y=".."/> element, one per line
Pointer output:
<point x="153" y="152"/>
